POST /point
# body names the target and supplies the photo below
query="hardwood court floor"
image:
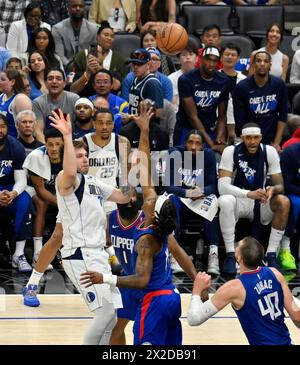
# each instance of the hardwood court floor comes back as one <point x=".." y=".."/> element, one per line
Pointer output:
<point x="62" y="320"/>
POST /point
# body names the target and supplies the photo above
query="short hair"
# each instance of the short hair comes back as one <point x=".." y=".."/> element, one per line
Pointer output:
<point x="102" y="111"/>
<point x="102" y="71"/>
<point x="252" y="252"/>
<point x="13" y="74"/>
<point x="193" y="131"/>
<point x="209" y="27"/>
<point x="265" y="52"/>
<point x="251" y="125"/>
<point x="25" y="112"/>
<point x="79" y="143"/>
<point x="3" y="118"/>
<point x="13" y="59"/>
<point x="293" y="122"/>
<point x="52" y="133"/>
<point x="230" y="45"/>
<point x="54" y="69"/>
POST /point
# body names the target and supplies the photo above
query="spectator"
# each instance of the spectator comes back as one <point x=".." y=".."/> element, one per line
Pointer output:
<point x="148" y="39"/>
<point x="121" y="15"/>
<point x="54" y="10"/>
<point x="262" y="99"/>
<point x="203" y="92"/>
<point x="56" y="98"/>
<point x="37" y="65"/>
<point x="280" y="61"/>
<point x="295" y="68"/>
<point x="13" y="198"/>
<point x="11" y="83"/>
<point x="167" y="120"/>
<point x="14" y="63"/>
<point x="187" y="59"/>
<point x="154" y="65"/>
<point x="20" y="32"/>
<point x="73" y="34"/>
<point x="83" y="123"/>
<point x="4" y="58"/>
<point x="88" y="62"/>
<point x="248" y="196"/>
<point x="42" y="40"/>
<point x="11" y="11"/>
<point x="152" y="14"/>
<point x="230" y="56"/>
<point x="293" y="125"/>
<point x="184" y="182"/>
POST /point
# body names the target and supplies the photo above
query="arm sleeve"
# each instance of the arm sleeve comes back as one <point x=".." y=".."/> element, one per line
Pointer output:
<point x="200" y="312"/>
<point x="226" y="188"/>
<point x="12" y="38"/>
<point x="20" y="181"/>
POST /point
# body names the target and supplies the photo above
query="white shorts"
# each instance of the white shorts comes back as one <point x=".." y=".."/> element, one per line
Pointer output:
<point x="245" y="209"/>
<point x="93" y="259"/>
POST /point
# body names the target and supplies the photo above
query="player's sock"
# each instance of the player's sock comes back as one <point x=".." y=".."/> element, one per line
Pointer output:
<point x="285" y="243"/>
<point x="228" y="236"/>
<point x="274" y="240"/>
<point x="37" y="244"/>
<point x="35" y="278"/>
<point x="213" y="249"/>
<point x="20" y="245"/>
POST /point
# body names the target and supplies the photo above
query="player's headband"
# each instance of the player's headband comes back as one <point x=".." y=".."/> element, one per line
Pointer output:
<point x="251" y="131"/>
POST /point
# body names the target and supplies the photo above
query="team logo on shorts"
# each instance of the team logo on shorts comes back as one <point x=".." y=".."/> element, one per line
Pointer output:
<point x="90" y="296"/>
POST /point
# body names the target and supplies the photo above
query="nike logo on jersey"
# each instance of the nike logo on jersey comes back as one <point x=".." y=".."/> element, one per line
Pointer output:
<point x="93" y="151"/>
<point x="115" y="226"/>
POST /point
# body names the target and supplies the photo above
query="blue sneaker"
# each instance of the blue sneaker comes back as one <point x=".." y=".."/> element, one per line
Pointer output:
<point x="229" y="264"/>
<point x="30" y="296"/>
<point x="272" y="261"/>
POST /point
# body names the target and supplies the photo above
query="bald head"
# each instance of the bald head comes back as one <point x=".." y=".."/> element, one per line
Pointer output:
<point x="101" y="102"/>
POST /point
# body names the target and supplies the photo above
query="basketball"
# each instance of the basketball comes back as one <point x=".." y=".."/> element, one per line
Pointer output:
<point x="172" y="38"/>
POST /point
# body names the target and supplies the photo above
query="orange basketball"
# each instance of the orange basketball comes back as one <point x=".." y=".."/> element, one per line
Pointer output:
<point x="172" y="38"/>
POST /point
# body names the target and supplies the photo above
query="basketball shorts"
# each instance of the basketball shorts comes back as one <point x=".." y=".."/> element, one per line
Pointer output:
<point x="245" y="209"/>
<point x="158" y="319"/>
<point x="131" y="299"/>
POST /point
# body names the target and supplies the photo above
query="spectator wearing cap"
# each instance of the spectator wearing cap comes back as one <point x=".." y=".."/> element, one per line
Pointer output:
<point x="83" y="124"/>
<point x="154" y="65"/>
<point x="203" y="95"/>
<point x="74" y="33"/>
<point x="90" y="61"/>
<point x="262" y="99"/>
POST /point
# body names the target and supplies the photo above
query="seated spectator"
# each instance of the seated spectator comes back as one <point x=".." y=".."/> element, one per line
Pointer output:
<point x="295" y="68"/>
<point x="14" y="63"/>
<point x="188" y="178"/>
<point x="56" y="97"/>
<point x="14" y="200"/>
<point x="4" y="58"/>
<point x="90" y="61"/>
<point x="20" y="32"/>
<point x="280" y="61"/>
<point x="37" y="66"/>
<point x="43" y="165"/>
<point x="54" y="10"/>
<point x="11" y="84"/>
<point x="42" y="40"/>
<point x="187" y="59"/>
<point x="254" y="2"/>
<point x="73" y="34"/>
<point x="121" y="15"/>
<point x="153" y="14"/>
<point x="26" y="83"/>
<point x="83" y="124"/>
<point x="148" y="39"/>
<point x="230" y="56"/>
<point x="154" y="65"/>
<point x="293" y="124"/>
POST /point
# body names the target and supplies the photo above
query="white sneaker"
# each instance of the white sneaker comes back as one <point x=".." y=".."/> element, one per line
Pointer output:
<point x="20" y="263"/>
<point x="176" y="268"/>
<point x="34" y="261"/>
<point x="213" y="264"/>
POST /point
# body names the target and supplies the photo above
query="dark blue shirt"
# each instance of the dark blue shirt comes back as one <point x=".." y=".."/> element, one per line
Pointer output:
<point x="264" y="105"/>
<point x="290" y="167"/>
<point x="206" y="94"/>
<point x="11" y="158"/>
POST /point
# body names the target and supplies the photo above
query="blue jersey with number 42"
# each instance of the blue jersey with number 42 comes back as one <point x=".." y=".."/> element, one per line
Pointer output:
<point x="262" y="316"/>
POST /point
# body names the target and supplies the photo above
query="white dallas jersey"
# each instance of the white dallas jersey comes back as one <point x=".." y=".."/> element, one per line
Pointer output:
<point x="104" y="161"/>
<point x="82" y="214"/>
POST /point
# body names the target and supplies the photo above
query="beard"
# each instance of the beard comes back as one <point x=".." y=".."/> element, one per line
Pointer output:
<point x="2" y="139"/>
<point x="128" y="212"/>
<point x="82" y="122"/>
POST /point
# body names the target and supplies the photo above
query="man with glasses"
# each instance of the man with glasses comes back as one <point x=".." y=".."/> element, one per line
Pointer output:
<point x="57" y="98"/>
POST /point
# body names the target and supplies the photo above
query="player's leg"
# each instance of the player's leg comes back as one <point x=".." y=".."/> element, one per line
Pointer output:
<point x="213" y="235"/>
<point x="118" y="333"/>
<point x="280" y="206"/>
<point x="174" y="333"/>
<point x="46" y="256"/>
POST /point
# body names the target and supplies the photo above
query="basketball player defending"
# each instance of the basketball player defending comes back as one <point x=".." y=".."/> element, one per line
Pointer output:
<point x="258" y="297"/>
<point x="80" y="200"/>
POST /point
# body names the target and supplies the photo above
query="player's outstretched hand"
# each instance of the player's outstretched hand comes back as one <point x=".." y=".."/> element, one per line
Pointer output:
<point x="143" y="120"/>
<point x="61" y="123"/>
<point x="89" y="278"/>
<point x="201" y="283"/>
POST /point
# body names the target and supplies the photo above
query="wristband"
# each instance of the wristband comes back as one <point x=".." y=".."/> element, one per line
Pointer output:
<point x="110" y="279"/>
<point x="110" y="250"/>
